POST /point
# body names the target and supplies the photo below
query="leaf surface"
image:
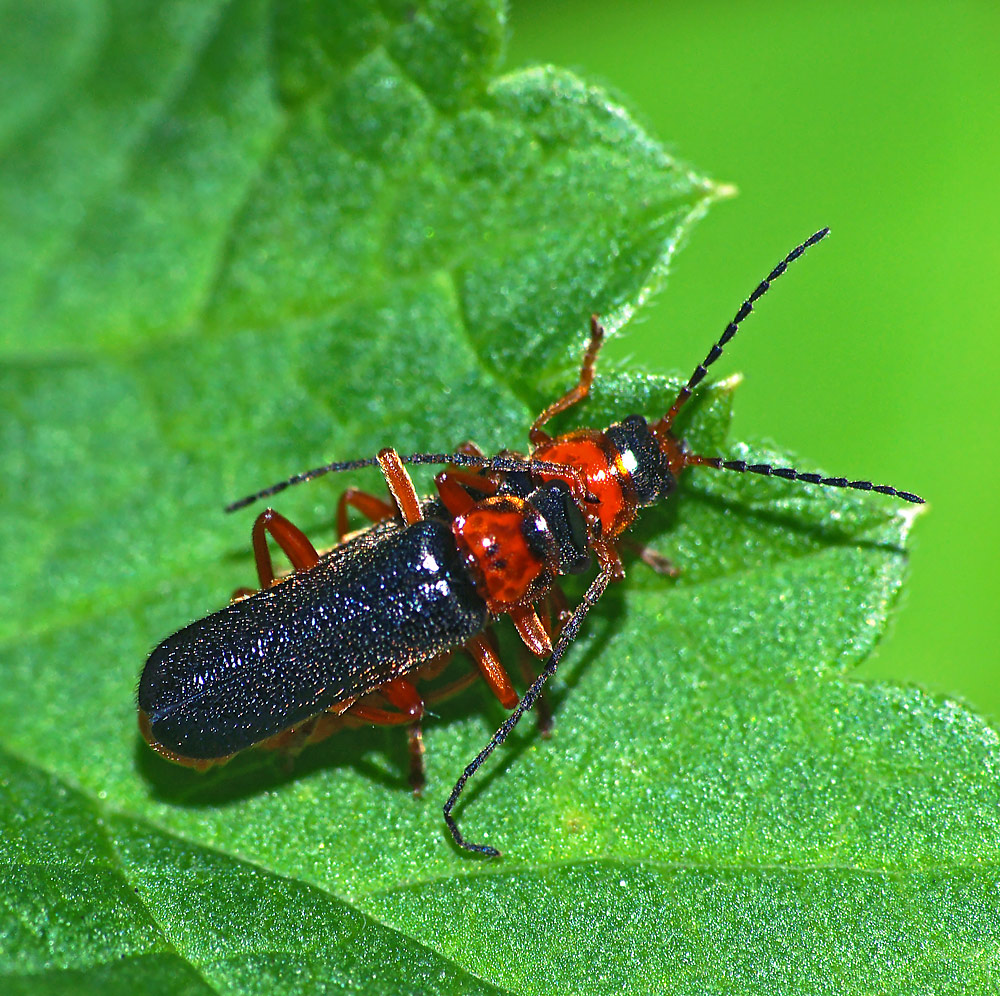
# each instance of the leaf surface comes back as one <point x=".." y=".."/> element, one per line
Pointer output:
<point x="244" y="238"/>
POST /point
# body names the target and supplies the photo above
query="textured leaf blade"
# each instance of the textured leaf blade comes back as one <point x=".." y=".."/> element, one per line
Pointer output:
<point x="304" y="231"/>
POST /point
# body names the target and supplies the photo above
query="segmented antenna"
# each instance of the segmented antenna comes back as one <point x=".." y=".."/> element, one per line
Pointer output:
<point x="499" y="463"/>
<point x="566" y="638"/>
<point x="733" y="327"/>
<point x="680" y="458"/>
<point x="791" y="474"/>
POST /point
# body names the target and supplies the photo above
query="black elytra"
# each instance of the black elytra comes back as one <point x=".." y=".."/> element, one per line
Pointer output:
<point x="373" y="609"/>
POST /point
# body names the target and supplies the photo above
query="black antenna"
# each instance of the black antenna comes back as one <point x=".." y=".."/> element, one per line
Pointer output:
<point x="733" y="327"/>
<point x="566" y="637"/>
<point x="684" y="459"/>
<point x="791" y="474"/>
<point x="506" y="464"/>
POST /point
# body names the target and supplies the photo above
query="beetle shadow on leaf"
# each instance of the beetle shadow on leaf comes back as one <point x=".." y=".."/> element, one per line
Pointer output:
<point x="321" y="532"/>
<point x="600" y="627"/>
<point x="823" y="532"/>
<point x="259" y="771"/>
<point x="377" y="754"/>
<point x="774" y="533"/>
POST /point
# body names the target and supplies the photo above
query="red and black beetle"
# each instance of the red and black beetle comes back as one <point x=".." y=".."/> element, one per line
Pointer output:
<point x="280" y="666"/>
<point x="286" y="664"/>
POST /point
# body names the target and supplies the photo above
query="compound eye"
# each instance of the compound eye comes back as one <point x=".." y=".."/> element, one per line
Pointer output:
<point x="518" y="483"/>
<point x="577" y="527"/>
<point x="538" y="536"/>
<point x="578" y="535"/>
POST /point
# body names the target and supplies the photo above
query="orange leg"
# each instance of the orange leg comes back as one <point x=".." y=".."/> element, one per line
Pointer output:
<point x="652" y="559"/>
<point x="536" y="434"/>
<point x="401" y="693"/>
<point x="291" y="743"/>
<point x="415" y="748"/>
<point x="543" y="710"/>
<point x="455" y="498"/>
<point x="436" y="667"/>
<point x="492" y="671"/>
<point x="400" y="486"/>
<point x="471" y="479"/>
<point x="370" y="506"/>
<point x="328" y="723"/>
<point x="404" y="696"/>
<point x="556" y="601"/>
<point x="610" y="561"/>
<point x="532" y="632"/>
<point x="290" y="538"/>
<point x="445" y="692"/>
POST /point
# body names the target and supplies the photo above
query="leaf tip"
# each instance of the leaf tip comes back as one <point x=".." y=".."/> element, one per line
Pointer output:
<point x="909" y="513"/>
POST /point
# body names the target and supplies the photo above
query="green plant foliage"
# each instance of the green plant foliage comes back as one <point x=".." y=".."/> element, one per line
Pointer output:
<point x="243" y="238"/>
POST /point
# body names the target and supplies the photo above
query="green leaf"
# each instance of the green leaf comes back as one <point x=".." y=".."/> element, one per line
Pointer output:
<point x="243" y="238"/>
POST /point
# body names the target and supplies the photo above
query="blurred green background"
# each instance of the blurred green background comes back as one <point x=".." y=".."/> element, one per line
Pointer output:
<point x="877" y="356"/>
